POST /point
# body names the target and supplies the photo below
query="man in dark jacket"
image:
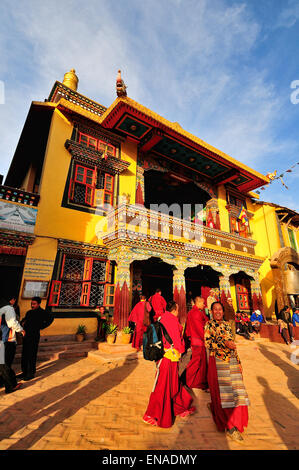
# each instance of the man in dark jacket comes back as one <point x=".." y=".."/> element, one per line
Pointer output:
<point x="35" y="320"/>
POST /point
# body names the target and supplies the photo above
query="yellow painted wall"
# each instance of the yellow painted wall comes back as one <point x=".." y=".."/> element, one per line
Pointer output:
<point x="265" y="231"/>
<point x="68" y="326"/>
<point x="223" y="213"/>
<point x="127" y="179"/>
<point x="233" y="293"/>
<point x="53" y="220"/>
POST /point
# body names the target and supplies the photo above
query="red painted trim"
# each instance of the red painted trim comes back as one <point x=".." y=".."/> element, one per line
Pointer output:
<point x="107" y="286"/>
<point x="62" y="267"/>
<point x="51" y="303"/>
<point x="85" y="293"/>
<point x="123" y="108"/>
<point x="139" y="196"/>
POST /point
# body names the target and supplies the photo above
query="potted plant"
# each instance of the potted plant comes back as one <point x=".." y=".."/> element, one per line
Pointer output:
<point x="126" y="335"/>
<point x="111" y="330"/>
<point x="81" y="333"/>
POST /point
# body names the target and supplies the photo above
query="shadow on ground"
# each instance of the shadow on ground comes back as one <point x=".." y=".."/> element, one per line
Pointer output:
<point x="287" y="368"/>
<point x="59" y="403"/>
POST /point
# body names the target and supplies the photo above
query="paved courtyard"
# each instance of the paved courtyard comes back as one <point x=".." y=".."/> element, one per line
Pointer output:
<point x="84" y="404"/>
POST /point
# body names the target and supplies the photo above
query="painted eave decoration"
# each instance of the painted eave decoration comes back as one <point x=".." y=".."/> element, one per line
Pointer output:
<point x="157" y="134"/>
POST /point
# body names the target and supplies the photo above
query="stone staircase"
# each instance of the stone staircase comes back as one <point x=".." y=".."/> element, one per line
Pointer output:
<point x="112" y="353"/>
<point x="52" y="348"/>
<point x="65" y="347"/>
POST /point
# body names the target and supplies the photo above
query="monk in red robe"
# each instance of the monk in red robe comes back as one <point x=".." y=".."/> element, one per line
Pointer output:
<point x="140" y="316"/>
<point x="169" y="397"/>
<point x="195" y="375"/>
<point x="158" y="303"/>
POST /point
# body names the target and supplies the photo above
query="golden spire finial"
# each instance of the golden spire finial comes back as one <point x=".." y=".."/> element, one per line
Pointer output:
<point x="71" y="80"/>
<point x="120" y="85"/>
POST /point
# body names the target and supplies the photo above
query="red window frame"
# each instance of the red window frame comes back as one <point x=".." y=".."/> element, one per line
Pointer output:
<point x="85" y="282"/>
<point x="96" y="144"/>
<point x="83" y="178"/>
<point x="108" y="193"/>
<point x="55" y="292"/>
<point x="108" y="294"/>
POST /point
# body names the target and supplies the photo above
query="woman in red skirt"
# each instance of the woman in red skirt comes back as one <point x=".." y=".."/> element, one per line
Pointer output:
<point x="229" y="398"/>
<point x="169" y="397"/>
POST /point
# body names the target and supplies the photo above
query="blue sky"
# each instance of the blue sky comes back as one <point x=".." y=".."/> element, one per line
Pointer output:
<point x="222" y="69"/>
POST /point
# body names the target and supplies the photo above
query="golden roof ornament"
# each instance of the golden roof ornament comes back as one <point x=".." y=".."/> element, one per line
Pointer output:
<point x="121" y="89"/>
<point x="272" y="175"/>
<point x="71" y="80"/>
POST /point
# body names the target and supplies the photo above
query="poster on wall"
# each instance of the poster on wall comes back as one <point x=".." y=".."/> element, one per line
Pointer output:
<point x="17" y="217"/>
<point x="35" y="289"/>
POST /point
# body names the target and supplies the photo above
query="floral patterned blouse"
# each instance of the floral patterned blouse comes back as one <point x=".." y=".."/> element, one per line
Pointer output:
<point x="216" y="334"/>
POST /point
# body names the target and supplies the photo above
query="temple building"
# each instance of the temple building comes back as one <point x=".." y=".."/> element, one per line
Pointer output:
<point x="100" y="204"/>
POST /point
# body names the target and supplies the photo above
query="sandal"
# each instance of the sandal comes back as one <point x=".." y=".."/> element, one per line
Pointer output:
<point x="149" y="420"/>
<point x="187" y="412"/>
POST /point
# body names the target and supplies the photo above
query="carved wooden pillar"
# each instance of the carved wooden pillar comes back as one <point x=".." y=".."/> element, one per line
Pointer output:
<point x="122" y="289"/>
<point x="179" y="292"/>
<point x="224" y="286"/>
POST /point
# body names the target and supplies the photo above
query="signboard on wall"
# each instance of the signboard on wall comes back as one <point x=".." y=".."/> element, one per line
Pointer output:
<point x="38" y="268"/>
<point x="32" y="288"/>
<point x="17" y="217"/>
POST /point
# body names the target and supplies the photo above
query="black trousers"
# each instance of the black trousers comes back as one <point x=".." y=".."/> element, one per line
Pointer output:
<point x="29" y="355"/>
<point x="8" y="377"/>
<point x="100" y="336"/>
<point x="10" y="351"/>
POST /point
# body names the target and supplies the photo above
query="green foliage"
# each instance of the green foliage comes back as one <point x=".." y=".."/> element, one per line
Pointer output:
<point x="127" y="330"/>
<point x="81" y="330"/>
<point x="110" y="328"/>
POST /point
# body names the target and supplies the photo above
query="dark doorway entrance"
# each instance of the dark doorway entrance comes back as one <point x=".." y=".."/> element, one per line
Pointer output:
<point x="11" y="270"/>
<point x="169" y="189"/>
<point x="152" y="274"/>
<point x="200" y="280"/>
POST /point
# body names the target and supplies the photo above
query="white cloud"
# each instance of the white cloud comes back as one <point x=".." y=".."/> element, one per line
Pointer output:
<point x="289" y="15"/>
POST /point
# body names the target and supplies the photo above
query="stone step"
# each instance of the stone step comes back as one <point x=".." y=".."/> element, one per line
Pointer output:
<point x="116" y="348"/>
<point x="119" y="358"/>
<point x="63" y="338"/>
<point x="59" y="350"/>
<point x="74" y="345"/>
<point x="52" y="356"/>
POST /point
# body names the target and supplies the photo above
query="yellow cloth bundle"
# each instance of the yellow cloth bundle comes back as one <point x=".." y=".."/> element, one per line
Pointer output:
<point x="172" y="354"/>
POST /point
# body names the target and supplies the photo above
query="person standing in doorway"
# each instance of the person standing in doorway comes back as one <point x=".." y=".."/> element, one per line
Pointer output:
<point x="158" y="304"/>
<point x="140" y="316"/>
<point x="35" y="320"/>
